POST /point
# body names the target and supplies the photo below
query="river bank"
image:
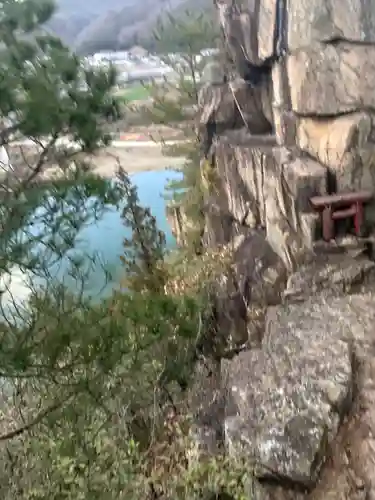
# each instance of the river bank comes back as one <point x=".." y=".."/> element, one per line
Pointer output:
<point x="134" y="159"/>
<point x="133" y="156"/>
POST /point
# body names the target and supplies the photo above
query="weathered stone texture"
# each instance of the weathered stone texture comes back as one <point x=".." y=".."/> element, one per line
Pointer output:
<point x="249" y="25"/>
<point x="330" y="274"/>
<point x="289" y="223"/>
<point x="257" y="278"/>
<point x="332" y="141"/>
<point x="329" y="72"/>
<point x="219" y="226"/>
<point x="310" y="21"/>
<point x="248" y="29"/>
<point x="263" y="188"/>
<point x="345" y="145"/>
<point x="242" y="171"/>
<point x="332" y="79"/>
<point x="286" y="401"/>
<point x="235" y="105"/>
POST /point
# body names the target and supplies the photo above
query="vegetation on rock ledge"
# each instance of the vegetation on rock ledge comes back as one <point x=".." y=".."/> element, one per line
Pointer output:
<point x="176" y="102"/>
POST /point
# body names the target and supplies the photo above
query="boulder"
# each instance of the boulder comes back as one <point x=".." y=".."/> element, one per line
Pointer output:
<point x="235" y="104"/>
<point x="345" y="145"/>
<point x="250" y="26"/>
<point x="248" y="29"/>
<point x="286" y="400"/>
<point x="328" y="79"/>
<point x="312" y="21"/>
<point x="241" y="170"/>
<point x="257" y="278"/>
<point x="336" y="273"/>
<point x="259" y="271"/>
<point x="332" y="141"/>
<point x="262" y="186"/>
<point x="290" y="225"/>
<point x="221" y="225"/>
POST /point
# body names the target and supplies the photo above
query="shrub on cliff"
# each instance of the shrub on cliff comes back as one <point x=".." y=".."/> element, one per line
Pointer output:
<point x="179" y="41"/>
<point x="86" y="389"/>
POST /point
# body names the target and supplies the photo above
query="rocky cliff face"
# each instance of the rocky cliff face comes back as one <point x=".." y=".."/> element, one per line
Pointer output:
<point x="294" y="118"/>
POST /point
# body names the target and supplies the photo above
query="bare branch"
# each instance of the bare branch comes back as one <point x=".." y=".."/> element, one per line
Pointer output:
<point x="37" y="420"/>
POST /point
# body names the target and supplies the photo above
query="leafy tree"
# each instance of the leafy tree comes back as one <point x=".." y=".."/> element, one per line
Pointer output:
<point x="145" y="251"/>
<point x="45" y="96"/>
<point x="179" y="42"/>
<point x="86" y="388"/>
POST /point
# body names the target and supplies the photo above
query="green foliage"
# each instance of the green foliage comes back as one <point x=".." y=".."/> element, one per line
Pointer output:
<point x="187" y="33"/>
<point x="188" y="193"/>
<point x="144" y="252"/>
<point x="132" y="93"/>
<point x="44" y="89"/>
<point x="216" y="477"/>
<point x="92" y="382"/>
<point x="86" y="388"/>
<point x="46" y="95"/>
<point x="180" y="41"/>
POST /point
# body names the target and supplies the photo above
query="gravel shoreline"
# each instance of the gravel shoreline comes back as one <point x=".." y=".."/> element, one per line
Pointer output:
<point x="133" y="160"/>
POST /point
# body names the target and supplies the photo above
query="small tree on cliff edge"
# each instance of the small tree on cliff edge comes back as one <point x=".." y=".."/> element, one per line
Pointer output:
<point x="79" y="381"/>
<point x="179" y="42"/>
<point x="82" y="384"/>
<point x="45" y="95"/>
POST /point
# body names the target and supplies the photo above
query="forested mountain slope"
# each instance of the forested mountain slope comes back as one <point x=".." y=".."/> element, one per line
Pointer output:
<point x="114" y="24"/>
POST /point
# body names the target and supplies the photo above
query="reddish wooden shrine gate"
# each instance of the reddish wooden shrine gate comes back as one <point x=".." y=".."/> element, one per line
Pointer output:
<point x="341" y="206"/>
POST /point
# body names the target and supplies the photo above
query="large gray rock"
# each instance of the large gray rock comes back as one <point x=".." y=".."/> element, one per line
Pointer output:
<point x="241" y="170"/>
<point x="345" y="145"/>
<point x="332" y="79"/>
<point x="256" y="278"/>
<point x="249" y="25"/>
<point x="248" y="28"/>
<point x="259" y="270"/>
<point x="334" y="273"/>
<point x="221" y="224"/>
<point x="290" y="225"/>
<point x="310" y="21"/>
<point x="263" y="186"/>
<point x="286" y="401"/>
<point x="333" y="141"/>
<point x="236" y="104"/>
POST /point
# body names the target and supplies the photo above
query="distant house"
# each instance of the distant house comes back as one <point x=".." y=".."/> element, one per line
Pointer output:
<point x="138" y="51"/>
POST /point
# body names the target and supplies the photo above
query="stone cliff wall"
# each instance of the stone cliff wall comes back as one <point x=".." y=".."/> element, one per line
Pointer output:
<point x="296" y="118"/>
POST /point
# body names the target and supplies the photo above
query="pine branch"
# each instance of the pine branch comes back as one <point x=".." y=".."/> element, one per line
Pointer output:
<point x="36" y="420"/>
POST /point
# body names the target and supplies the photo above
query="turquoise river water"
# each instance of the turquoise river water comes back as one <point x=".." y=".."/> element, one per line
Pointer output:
<point x="104" y="238"/>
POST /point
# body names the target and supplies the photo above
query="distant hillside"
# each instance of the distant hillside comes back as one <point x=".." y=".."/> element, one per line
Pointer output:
<point x="90" y="26"/>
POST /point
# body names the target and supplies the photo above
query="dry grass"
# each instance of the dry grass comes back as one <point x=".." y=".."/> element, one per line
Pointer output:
<point x="191" y="274"/>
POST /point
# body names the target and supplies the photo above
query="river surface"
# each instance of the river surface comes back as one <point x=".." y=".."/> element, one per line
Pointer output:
<point x="104" y="239"/>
